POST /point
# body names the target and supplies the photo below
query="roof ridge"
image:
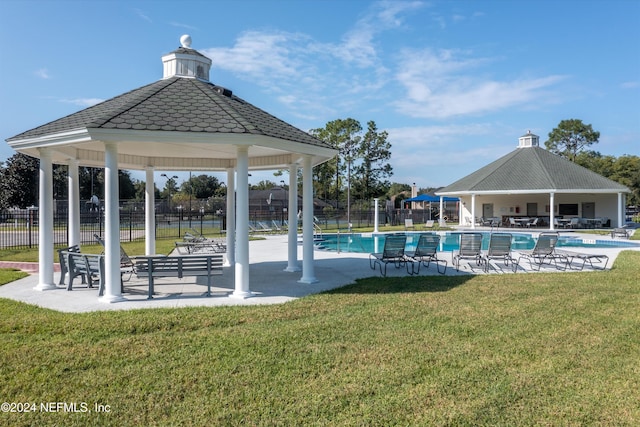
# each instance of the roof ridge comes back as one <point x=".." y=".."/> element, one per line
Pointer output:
<point x="537" y="155"/>
<point x="115" y="111"/>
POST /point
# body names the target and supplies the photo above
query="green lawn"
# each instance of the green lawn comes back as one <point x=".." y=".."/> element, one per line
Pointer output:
<point x="525" y="349"/>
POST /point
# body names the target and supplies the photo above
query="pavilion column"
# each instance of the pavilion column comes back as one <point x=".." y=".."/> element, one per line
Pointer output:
<point x="45" y="222"/>
<point x="441" y="220"/>
<point x="552" y="213"/>
<point x="292" y="258"/>
<point x="621" y="209"/>
<point x="242" y="225"/>
<point x="73" y="182"/>
<point x="112" y="292"/>
<point x="473" y="211"/>
<point x="149" y="213"/>
<point x="308" y="275"/>
<point x="231" y="218"/>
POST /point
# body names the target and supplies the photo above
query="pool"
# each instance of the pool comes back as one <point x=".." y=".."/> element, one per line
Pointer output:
<point x="369" y="242"/>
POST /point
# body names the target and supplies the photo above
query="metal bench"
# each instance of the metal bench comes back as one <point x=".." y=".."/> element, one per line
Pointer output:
<point x="64" y="263"/>
<point x="90" y="266"/>
<point x="179" y="266"/>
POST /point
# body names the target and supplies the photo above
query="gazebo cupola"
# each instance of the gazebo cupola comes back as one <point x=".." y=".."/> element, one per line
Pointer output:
<point x="529" y="140"/>
<point x="186" y="62"/>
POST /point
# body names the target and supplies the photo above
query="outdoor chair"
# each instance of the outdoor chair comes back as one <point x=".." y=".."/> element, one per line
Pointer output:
<point x="263" y="227"/>
<point x="393" y="252"/>
<point x="127" y="266"/>
<point x="408" y="223"/>
<point x="513" y="223"/>
<point x="429" y="223"/>
<point x="426" y="251"/>
<point x="499" y="248"/>
<point x="619" y="232"/>
<point x="533" y="223"/>
<point x="574" y="223"/>
<point x="543" y="251"/>
<point x="470" y="248"/>
<point x="570" y="256"/>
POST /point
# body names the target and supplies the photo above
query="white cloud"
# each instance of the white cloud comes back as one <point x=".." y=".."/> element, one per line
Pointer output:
<point x="83" y="102"/>
<point x="180" y="25"/>
<point x="43" y="73"/>
<point x="630" y="85"/>
<point x="142" y="15"/>
<point x="446" y="84"/>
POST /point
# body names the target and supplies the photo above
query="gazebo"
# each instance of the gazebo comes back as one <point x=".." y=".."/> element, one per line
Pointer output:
<point x="531" y="181"/>
<point x="182" y="122"/>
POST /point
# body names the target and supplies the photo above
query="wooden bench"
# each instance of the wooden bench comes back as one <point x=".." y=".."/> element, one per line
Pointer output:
<point x="90" y="266"/>
<point x="178" y="266"/>
<point x="64" y="269"/>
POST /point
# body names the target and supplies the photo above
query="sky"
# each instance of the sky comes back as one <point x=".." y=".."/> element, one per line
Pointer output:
<point x="454" y="83"/>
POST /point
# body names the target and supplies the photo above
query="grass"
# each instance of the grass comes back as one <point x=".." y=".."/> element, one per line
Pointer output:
<point x="526" y="349"/>
<point x="10" y="274"/>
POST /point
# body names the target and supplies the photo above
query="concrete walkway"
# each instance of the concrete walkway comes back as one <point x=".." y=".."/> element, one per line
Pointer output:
<point x="270" y="284"/>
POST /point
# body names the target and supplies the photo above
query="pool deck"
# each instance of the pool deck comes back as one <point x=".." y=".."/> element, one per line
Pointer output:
<point x="269" y="282"/>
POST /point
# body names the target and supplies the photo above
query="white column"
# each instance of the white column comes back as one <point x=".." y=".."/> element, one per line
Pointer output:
<point x="45" y="222"/>
<point x="308" y="275"/>
<point x="552" y="213"/>
<point x="375" y="215"/>
<point x="292" y="258"/>
<point x="149" y="213"/>
<point x="73" y="182"/>
<point x="441" y="220"/>
<point x="621" y="209"/>
<point x="231" y="218"/>
<point x="473" y="211"/>
<point x="112" y="292"/>
<point x="242" y="225"/>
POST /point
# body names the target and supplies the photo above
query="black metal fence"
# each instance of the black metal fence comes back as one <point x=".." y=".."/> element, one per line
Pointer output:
<point x="19" y="227"/>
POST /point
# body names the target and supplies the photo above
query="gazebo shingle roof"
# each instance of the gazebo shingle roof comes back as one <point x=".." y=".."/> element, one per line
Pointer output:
<point x="532" y="169"/>
<point x="176" y="104"/>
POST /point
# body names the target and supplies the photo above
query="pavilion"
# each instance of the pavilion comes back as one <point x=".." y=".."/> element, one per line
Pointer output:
<point x="533" y="182"/>
<point x="182" y="122"/>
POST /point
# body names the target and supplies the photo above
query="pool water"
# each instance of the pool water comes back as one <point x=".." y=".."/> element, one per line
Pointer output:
<point x="368" y="243"/>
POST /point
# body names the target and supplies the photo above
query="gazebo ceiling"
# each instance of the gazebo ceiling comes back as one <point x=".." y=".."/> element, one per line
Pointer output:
<point x="182" y="122"/>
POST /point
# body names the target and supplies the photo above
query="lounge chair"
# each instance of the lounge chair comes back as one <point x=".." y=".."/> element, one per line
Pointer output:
<point x="429" y="224"/>
<point x="393" y="252"/>
<point x="499" y="248"/>
<point x="263" y="227"/>
<point x="570" y="256"/>
<point x="470" y="248"/>
<point x="426" y="251"/>
<point x="127" y="266"/>
<point x="276" y="226"/>
<point x="408" y="224"/>
<point x="619" y="232"/>
<point x="513" y="223"/>
<point x="543" y="251"/>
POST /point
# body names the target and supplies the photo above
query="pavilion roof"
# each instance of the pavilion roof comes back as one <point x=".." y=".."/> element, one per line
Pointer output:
<point x="532" y="169"/>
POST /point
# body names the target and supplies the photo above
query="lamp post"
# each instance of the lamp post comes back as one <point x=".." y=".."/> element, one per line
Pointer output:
<point x="164" y="175"/>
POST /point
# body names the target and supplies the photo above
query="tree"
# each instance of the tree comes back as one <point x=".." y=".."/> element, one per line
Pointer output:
<point x="373" y="171"/>
<point x="342" y="135"/>
<point x="19" y="181"/>
<point x="570" y="138"/>
<point x="200" y="187"/>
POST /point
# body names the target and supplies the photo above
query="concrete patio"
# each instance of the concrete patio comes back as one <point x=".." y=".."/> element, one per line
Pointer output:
<point x="271" y="284"/>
